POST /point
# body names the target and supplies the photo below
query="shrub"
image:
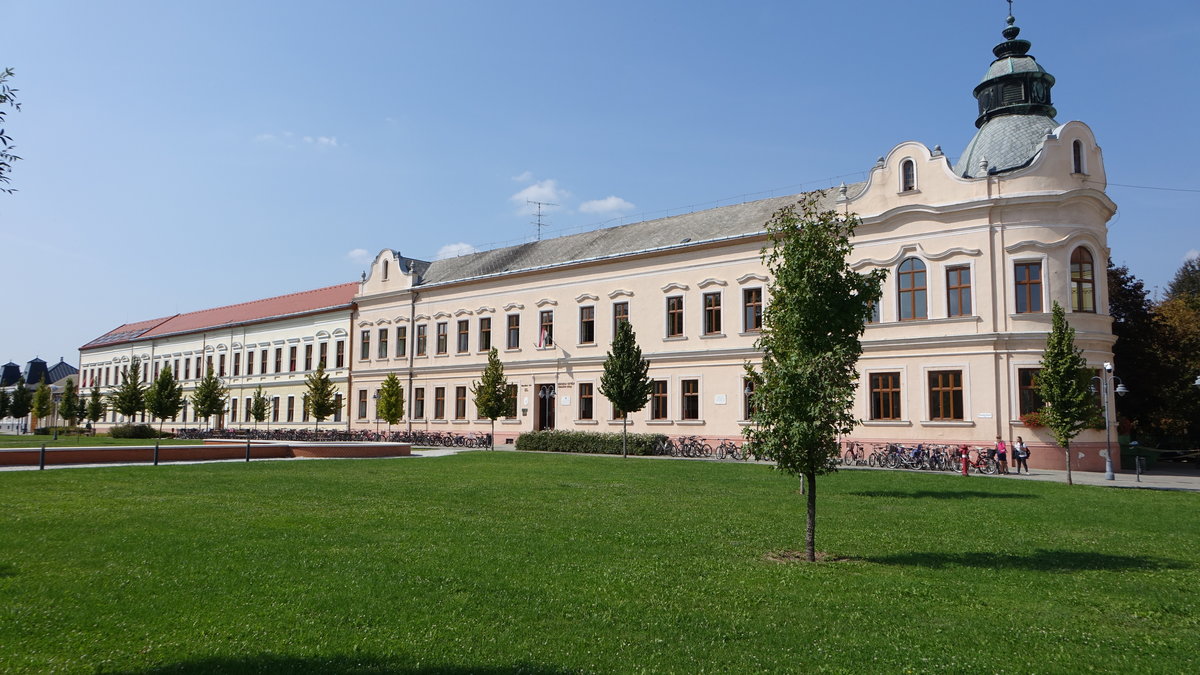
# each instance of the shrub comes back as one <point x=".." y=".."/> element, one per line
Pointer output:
<point x="62" y="431"/>
<point x="132" y="431"/>
<point x="1033" y="420"/>
<point x="586" y="442"/>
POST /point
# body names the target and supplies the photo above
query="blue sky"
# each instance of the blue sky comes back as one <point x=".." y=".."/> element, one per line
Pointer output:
<point x="186" y="155"/>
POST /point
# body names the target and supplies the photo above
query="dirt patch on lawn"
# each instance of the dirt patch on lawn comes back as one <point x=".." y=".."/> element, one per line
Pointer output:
<point x="802" y="557"/>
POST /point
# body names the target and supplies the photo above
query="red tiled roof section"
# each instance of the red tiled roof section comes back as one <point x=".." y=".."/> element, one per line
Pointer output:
<point x="305" y="302"/>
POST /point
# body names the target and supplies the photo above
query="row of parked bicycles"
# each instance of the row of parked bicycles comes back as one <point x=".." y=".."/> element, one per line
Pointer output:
<point x="697" y="447"/>
<point x="922" y="456"/>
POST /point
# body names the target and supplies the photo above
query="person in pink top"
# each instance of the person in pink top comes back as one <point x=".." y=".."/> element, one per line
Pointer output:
<point x="1002" y="455"/>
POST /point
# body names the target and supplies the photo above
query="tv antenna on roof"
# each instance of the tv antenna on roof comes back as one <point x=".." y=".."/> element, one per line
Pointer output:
<point x="539" y="222"/>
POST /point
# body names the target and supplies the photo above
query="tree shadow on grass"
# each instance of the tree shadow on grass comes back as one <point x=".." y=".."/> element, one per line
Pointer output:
<point x="7" y="570"/>
<point x="335" y="665"/>
<point x="944" y="494"/>
<point x="1041" y="560"/>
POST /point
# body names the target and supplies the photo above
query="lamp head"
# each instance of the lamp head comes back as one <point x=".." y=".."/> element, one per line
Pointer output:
<point x="1122" y="389"/>
<point x="1108" y="367"/>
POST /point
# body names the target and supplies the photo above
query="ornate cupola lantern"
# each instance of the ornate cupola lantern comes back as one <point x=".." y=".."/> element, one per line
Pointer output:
<point x="1015" y="109"/>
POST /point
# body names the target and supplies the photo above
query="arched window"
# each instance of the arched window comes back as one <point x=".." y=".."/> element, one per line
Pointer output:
<point x="913" y="291"/>
<point x="1083" y="281"/>
<point x="908" y="175"/>
<point x="385" y="270"/>
<point x="1077" y="158"/>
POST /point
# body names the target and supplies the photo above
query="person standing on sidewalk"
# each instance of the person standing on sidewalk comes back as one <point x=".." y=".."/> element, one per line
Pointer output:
<point x="1002" y="455"/>
<point x="1021" y="455"/>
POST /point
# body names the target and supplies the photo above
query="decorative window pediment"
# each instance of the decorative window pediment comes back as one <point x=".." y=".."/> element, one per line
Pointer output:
<point x="711" y="282"/>
<point x="421" y="317"/>
<point x="619" y="292"/>
<point x="546" y="301"/>
<point x="441" y="315"/>
<point x="674" y="286"/>
<point x="747" y="278"/>
<point x="911" y="250"/>
<point x="486" y="310"/>
<point x="513" y="305"/>
<point x="463" y="312"/>
<point x="586" y="296"/>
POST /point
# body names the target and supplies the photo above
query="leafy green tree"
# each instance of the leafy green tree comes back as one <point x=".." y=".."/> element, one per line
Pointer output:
<point x="5" y="399"/>
<point x="258" y="406"/>
<point x="1186" y="283"/>
<point x="22" y="400"/>
<point x="389" y="407"/>
<point x="804" y="392"/>
<point x="8" y="98"/>
<point x="70" y="407"/>
<point x="95" y="405"/>
<point x="321" y="398"/>
<point x="130" y="397"/>
<point x="43" y="401"/>
<point x="626" y="380"/>
<point x="164" y="398"/>
<point x="491" y="391"/>
<point x="210" y="396"/>
<point x="1063" y="385"/>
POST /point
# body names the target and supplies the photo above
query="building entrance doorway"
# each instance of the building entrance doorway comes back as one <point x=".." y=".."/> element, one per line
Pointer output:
<point x="545" y="407"/>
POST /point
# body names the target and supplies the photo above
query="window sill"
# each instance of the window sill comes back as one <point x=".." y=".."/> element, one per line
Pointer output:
<point x="585" y="344"/>
<point x="437" y="421"/>
<point x="750" y="333"/>
<point x="441" y="356"/>
<point x="616" y="422"/>
<point x="586" y="422"/>
<point x="460" y="421"/>
<point x="712" y="336"/>
<point x="509" y="421"/>
<point x="483" y="352"/>
<point x="547" y="348"/>
<point x="905" y="193"/>
<point x="690" y="423"/>
<point x="509" y="350"/>
<point x="663" y="423"/>
<point x="674" y="338"/>
<point x="947" y="423"/>
<point x="889" y="423"/>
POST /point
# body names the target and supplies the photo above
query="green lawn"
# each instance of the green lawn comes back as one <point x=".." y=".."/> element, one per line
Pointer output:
<point x="64" y="441"/>
<point x="542" y="563"/>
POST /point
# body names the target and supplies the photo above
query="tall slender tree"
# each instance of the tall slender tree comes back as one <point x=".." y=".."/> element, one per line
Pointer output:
<point x="164" y="398"/>
<point x="70" y="407"/>
<point x="22" y="400"/>
<point x="321" y="398"/>
<point x="490" y="392"/>
<point x="210" y="397"/>
<point x="626" y="379"/>
<point x="130" y="397"/>
<point x="804" y="391"/>
<point x="5" y="399"/>
<point x="43" y="402"/>
<point x="389" y="407"/>
<point x="258" y="406"/>
<point x="95" y="405"/>
<point x="1063" y="385"/>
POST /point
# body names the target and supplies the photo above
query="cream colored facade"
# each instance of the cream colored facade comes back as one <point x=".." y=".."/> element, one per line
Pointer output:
<point x="275" y="354"/>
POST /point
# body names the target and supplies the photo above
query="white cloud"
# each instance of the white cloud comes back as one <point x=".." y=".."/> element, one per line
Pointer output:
<point x="1194" y="253"/>
<point x="523" y="177"/>
<point x="288" y="139"/>
<point x="322" y="141"/>
<point x="610" y="204"/>
<point x="546" y="191"/>
<point x="359" y="255"/>
<point x="454" y="250"/>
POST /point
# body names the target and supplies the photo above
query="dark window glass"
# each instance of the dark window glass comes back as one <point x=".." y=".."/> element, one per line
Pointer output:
<point x="585" y="400"/>
<point x="675" y="316"/>
<point x="885" y="396"/>
<point x="546" y="328"/>
<point x="485" y="334"/>
<point x="658" y="400"/>
<point x="945" y="395"/>
<point x="752" y="310"/>
<point x="1083" y="281"/>
<point x="514" y="331"/>
<point x="442" y="337"/>
<point x="464" y="336"/>
<point x="911" y="279"/>
<point x="587" y="325"/>
<point x="422" y="339"/>
<point x="958" y="290"/>
<point x="1028" y="280"/>
<point x="690" y="402"/>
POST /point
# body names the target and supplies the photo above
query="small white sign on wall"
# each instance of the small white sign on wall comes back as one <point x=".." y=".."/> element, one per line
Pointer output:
<point x="719" y="399"/>
<point x="565" y="400"/>
<point x="984" y="416"/>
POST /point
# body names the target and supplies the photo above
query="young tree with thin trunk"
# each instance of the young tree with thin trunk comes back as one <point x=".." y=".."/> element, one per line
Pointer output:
<point x="5" y="399"/>
<point x="22" y="400"/>
<point x="1063" y="385"/>
<point x="258" y="406"/>
<point x="95" y="405"/>
<point x="164" y="398"/>
<point x="43" y="401"/>
<point x="626" y="380"/>
<point x="389" y="407"/>
<point x="130" y="398"/>
<point x="819" y="307"/>
<point x="491" y="392"/>
<point x="70" y="408"/>
<point x="210" y="397"/>
<point x="322" y="395"/>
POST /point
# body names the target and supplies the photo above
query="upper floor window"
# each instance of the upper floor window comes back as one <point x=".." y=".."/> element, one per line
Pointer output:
<point x="339" y="354"/>
<point x="913" y="291"/>
<point x="364" y="346"/>
<point x="752" y="310"/>
<point x="464" y="336"/>
<point x="485" y="333"/>
<point x="1083" y="280"/>
<point x="1077" y="165"/>
<point x="278" y="361"/>
<point x="620" y="314"/>
<point x="443" y="337"/>
<point x="237" y="364"/>
<point x="383" y="343"/>
<point x="546" y="328"/>
<point x="513" y="333"/>
<point x="958" y="290"/>
<point x="322" y="355"/>
<point x="385" y="270"/>
<point x="675" y="316"/>
<point x="401" y="341"/>
<point x="422" y="339"/>
<point x="587" y="326"/>
<point x="307" y="358"/>
<point x="712" y="313"/>
<point x="908" y="175"/>
<point x="1028" y="279"/>
<point x="220" y="366"/>
<point x="291" y="359"/>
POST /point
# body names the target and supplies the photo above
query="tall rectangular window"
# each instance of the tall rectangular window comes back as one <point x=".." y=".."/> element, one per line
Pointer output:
<point x="1028" y="280"/>
<point x="690" y="400"/>
<point x="233" y="402"/>
<point x="262" y="362"/>
<point x="464" y="336"/>
<point x="913" y="290"/>
<point x="958" y="290"/>
<point x="323" y="355"/>
<point x="208" y="360"/>
<point x="752" y="310"/>
<point x="187" y="371"/>
<point x="278" y="360"/>
<point x="675" y="316"/>
<point x="383" y="343"/>
<point x="292" y="359"/>
<point x="945" y="395"/>
<point x="620" y="315"/>
<point x="546" y="328"/>
<point x="304" y="408"/>
<point x="237" y="364"/>
<point x="338" y="407"/>
<point x="364" y="345"/>
<point x="291" y="409"/>
<point x="514" y="332"/>
<point x="585" y="400"/>
<point x="587" y="325"/>
<point x="747" y="398"/>
<point x="275" y="409"/>
<point x="1030" y="399"/>
<point x="885" y="396"/>
<point x="221" y="366"/>
<point x="308" y="357"/>
<point x="485" y="333"/>
<point x="419" y="403"/>
<point x="442" y="337"/>
<point x="249" y="404"/>
<point x="339" y="354"/>
<point x="712" y="313"/>
<point x="658" y="400"/>
<point x="422" y="339"/>
<point x="510" y="400"/>
<point x="439" y="403"/>
<point x="460" y="403"/>
<point x="362" y="404"/>
<point x="401" y="341"/>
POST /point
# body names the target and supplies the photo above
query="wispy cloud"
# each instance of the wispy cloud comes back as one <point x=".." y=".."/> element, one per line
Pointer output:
<point x="454" y="250"/>
<point x="359" y="255"/>
<point x="610" y="204"/>
<point x="545" y="191"/>
<point x="322" y="141"/>
<point x="523" y="177"/>
<point x="287" y="139"/>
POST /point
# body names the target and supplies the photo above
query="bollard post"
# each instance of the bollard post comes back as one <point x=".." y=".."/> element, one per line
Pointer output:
<point x="966" y="457"/>
<point x="156" y="452"/>
<point x="1140" y="462"/>
<point x="247" y="448"/>
<point x="42" y="458"/>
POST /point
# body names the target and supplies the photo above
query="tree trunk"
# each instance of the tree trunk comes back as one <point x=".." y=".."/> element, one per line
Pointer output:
<point x="1068" y="451"/>
<point x="493" y="443"/>
<point x="810" y="532"/>
<point x="624" y="432"/>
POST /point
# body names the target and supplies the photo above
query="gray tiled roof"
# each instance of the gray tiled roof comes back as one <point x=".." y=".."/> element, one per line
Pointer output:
<point x="1012" y="64"/>
<point x="718" y="223"/>
<point x="1006" y="142"/>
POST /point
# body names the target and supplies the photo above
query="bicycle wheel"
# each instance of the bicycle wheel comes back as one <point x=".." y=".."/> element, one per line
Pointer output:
<point x="991" y="466"/>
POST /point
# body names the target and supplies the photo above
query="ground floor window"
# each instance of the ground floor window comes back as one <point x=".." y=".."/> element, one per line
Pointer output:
<point x="885" y="396"/>
<point x="945" y="395"/>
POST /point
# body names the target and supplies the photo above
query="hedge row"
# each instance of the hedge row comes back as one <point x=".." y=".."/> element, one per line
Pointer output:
<point x="587" y="442"/>
<point x="136" y="431"/>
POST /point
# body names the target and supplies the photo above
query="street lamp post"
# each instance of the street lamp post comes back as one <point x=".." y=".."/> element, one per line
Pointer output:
<point x="1106" y="378"/>
<point x="376" y="399"/>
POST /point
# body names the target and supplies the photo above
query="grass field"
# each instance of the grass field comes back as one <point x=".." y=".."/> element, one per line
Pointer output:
<point x="497" y="562"/>
<point x="32" y="441"/>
